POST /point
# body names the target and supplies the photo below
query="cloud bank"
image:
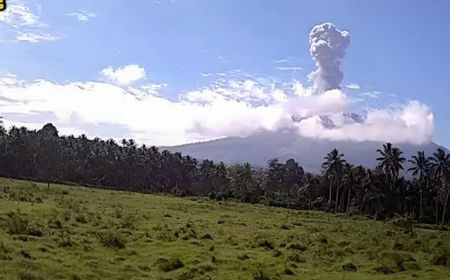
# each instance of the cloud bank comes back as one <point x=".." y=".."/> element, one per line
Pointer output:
<point x="238" y="108"/>
<point x="118" y="108"/>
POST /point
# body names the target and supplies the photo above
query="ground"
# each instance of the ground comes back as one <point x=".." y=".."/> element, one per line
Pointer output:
<point x="71" y="232"/>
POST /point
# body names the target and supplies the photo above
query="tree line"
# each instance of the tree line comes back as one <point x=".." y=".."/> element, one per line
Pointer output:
<point x="381" y="192"/>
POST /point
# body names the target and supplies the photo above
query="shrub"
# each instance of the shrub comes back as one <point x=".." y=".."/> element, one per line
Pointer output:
<point x="17" y="223"/>
<point x="288" y="271"/>
<point x="296" y="258"/>
<point x="394" y="260"/>
<point x="298" y="247"/>
<point x="5" y="251"/>
<point x="277" y="253"/>
<point x="285" y="226"/>
<point x="168" y="264"/>
<point x="81" y="218"/>
<point x="111" y="239"/>
<point x="383" y="269"/>
<point x="349" y="267"/>
<point x="25" y="254"/>
<point x="29" y="275"/>
<point x="266" y="244"/>
<point x="65" y="240"/>
<point x="260" y="275"/>
<point x="441" y="259"/>
<point x="404" y="224"/>
<point x="243" y="257"/>
<point x="207" y="236"/>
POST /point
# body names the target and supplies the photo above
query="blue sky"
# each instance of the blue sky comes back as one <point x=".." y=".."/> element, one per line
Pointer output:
<point x="398" y="51"/>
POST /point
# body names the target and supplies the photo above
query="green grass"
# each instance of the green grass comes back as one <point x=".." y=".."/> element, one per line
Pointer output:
<point x="67" y="232"/>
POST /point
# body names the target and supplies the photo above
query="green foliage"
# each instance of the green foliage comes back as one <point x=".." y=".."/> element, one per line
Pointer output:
<point x="113" y="239"/>
<point x="17" y="223"/>
<point x="168" y="264"/>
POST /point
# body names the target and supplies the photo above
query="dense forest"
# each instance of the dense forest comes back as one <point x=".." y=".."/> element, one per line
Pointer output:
<point x="380" y="193"/>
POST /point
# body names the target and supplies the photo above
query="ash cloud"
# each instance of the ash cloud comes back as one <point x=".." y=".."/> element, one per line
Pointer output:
<point x="327" y="48"/>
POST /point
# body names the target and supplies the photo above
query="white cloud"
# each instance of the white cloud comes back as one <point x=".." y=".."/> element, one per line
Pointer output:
<point x="412" y="123"/>
<point x="288" y="68"/>
<point x="36" y="38"/>
<point x="233" y="108"/>
<point x="19" y="15"/>
<point x="124" y="75"/>
<point x="353" y="86"/>
<point x="283" y="60"/>
<point x="83" y="15"/>
<point x="371" y="94"/>
<point x="20" y="23"/>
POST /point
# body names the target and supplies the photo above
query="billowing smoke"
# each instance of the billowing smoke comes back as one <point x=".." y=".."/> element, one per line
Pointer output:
<point x="328" y="46"/>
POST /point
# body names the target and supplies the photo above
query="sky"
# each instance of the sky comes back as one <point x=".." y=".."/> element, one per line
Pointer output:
<point x="168" y="72"/>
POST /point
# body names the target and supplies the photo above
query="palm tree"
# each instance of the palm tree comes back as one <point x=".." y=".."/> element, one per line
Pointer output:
<point x="440" y="162"/>
<point x="348" y="182"/>
<point x="390" y="165"/>
<point x="420" y="170"/>
<point x="390" y="162"/>
<point x="332" y="167"/>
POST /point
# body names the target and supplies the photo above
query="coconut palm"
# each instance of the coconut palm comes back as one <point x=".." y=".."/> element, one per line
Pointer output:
<point x="391" y="161"/>
<point x="390" y="165"/>
<point x="420" y="170"/>
<point x="332" y="168"/>
<point x="440" y="162"/>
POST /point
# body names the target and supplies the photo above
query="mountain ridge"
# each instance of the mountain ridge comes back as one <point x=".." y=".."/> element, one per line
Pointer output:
<point x="258" y="148"/>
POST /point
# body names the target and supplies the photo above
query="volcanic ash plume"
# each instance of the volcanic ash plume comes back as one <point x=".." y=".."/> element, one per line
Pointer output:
<point x="328" y="46"/>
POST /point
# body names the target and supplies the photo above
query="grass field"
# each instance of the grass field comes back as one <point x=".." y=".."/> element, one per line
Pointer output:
<point x="66" y="232"/>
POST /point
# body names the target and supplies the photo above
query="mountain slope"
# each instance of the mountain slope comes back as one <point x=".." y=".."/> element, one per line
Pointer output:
<point x="259" y="148"/>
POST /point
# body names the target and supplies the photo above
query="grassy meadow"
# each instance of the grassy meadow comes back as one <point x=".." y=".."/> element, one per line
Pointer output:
<point x="67" y="232"/>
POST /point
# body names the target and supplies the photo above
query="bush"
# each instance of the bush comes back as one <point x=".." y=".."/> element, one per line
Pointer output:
<point x="29" y="275"/>
<point x="298" y="247"/>
<point x="166" y="265"/>
<point x="5" y="252"/>
<point x="266" y="244"/>
<point x="260" y="275"/>
<point x="441" y="259"/>
<point x="17" y="223"/>
<point x="288" y="271"/>
<point x="349" y="267"/>
<point x="207" y="236"/>
<point x="404" y="224"/>
<point x="111" y="239"/>
<point x="81" y="218"/>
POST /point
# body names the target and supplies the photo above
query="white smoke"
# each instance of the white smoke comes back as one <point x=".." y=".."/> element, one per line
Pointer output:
<point x="328" y="46"/>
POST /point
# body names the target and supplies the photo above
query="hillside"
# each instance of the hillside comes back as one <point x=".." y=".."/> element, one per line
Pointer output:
<point x="309" y="152"/>
<point x="68" y="232"/>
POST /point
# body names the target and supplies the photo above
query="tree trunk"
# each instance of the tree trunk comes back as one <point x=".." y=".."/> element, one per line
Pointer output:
<point x="329" y="191"/>
<point x="349" y="197"/>
<point x="309" y="197"/>
<point x="341" y="203"/>
<point x="337" y="199"/>
<point x="420" y="205"/>
<point x="444" y="211"/>
<point x="437" y="208"/>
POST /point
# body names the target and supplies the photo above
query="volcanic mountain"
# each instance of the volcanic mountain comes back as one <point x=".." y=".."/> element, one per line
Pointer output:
<point x="258" y="148"/>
